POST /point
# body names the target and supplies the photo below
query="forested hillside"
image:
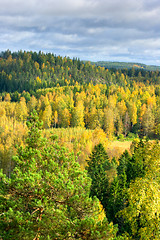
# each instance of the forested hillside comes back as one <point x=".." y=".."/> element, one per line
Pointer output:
<point x="58" y="116"/>
<point x="30" y="71"/>
<point x="126" y="65"/>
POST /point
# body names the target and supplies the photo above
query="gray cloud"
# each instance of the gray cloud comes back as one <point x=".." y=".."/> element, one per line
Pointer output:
<point x="117" y="30"/>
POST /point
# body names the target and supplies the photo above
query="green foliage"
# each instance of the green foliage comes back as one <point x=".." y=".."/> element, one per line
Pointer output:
<point x="98" y="164"/>
<point x="118" y="193"/>
<point x="47" y="187"/>
<point x="126" y="65"/>
<point x="133" y="201"/>
<point x="137" y="166"/>
<point x="30" y="71"/>
<point x="47" y="196"/>
<point x="118" y="110"/>
<point x="143" y="209"/>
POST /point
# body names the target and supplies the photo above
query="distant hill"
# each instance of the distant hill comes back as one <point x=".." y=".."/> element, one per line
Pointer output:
<point x="128" y="65"/>
<point x="29" y="71"/>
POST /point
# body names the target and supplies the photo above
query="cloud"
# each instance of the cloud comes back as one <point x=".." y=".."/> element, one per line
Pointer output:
<point x="90" y="29"/>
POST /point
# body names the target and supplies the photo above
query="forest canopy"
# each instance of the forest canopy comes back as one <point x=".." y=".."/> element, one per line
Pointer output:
<point x="58" y="117"/>
<point x="30" y="71"/>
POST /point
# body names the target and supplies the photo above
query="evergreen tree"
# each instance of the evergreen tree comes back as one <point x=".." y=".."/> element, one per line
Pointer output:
<point x="136" y="167"/>
<point x="118" y="193"/>
<point x="47" y="196"/>
<point x="98" y="164"/>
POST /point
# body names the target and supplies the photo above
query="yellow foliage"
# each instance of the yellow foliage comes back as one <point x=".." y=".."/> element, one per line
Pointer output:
<point x="122" y="107"/>
<point x="151" y="101"/>
<point x="36" y="64"/>
<point x="99" y="136"/>
<point x="101" y="215"/>
<point x="7" y="98"/>
<point x="38" y="80"/>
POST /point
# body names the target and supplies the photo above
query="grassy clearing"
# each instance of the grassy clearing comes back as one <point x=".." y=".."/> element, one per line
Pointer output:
<point x="80" y="140"/>
<point x="116" y="148"/>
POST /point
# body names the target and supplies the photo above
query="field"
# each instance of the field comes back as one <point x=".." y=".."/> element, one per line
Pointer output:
<point x="116" y="148"/>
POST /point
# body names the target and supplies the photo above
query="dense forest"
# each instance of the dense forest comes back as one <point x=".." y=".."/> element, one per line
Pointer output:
<point x="126" y="65"/>
<point x="29" y="71"/>
<point x="57" y="119"/>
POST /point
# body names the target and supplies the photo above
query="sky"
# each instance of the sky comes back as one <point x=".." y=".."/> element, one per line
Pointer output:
<point x="94" y="30"/>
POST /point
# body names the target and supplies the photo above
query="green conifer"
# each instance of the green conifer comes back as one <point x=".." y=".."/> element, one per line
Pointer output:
<point x="47" y="196"/>
<point x="98" y="164"/>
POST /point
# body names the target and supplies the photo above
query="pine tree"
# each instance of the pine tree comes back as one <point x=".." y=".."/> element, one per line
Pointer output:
<point x="47" y="196"/>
